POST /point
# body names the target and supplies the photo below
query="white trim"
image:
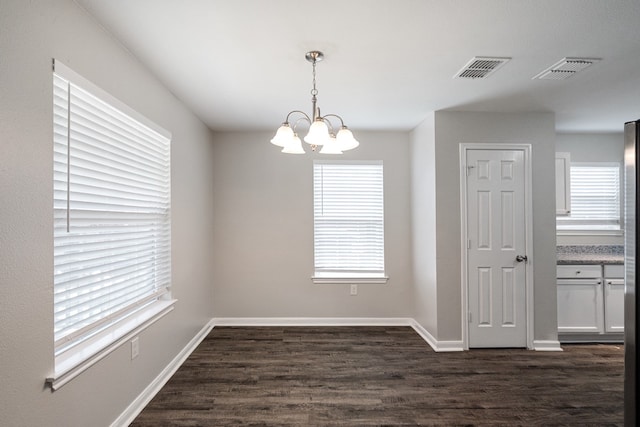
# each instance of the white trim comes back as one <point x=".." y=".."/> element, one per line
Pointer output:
<point x="546" y="345"/>
<point x="437" y="346"/>
<point x="350" y="280"/>
<point x="313" y="321"/>
<point x="528" y="200"/>
<point x="134" y="409"/>
<point x="348" y="162"/>
<point x="464" y="285"/>
<point x="85" y="355"/>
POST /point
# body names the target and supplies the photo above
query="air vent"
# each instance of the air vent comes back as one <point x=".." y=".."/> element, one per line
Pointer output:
<point x="480" y="67"/>
<point x="566" y="68"/>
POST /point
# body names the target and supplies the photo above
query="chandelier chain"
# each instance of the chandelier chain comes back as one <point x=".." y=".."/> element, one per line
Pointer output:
<point x="314" y="91"/>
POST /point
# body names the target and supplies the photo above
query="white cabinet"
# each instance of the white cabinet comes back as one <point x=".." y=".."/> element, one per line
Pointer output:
<point x="580" y="300"/>
<point x="563" y="184"/>
<point x="614" y="298"/>
<point x="589" y="303"/>
<point x="579" y="271"/>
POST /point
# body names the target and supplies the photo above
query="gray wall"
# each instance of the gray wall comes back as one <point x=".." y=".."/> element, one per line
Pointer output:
<point x="423" y="224"/>
<point x="451" y="129"/>
<point x="234" y="189"/>
<point x="592" y="147"/>
<point x="31" y="34"/>
<point x="263" y="229"/>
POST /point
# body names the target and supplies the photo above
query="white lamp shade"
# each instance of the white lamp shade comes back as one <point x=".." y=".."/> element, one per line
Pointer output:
<point x="318" y="133"/>
<point x="331" y="146"/>
<point x="345" y="140"/>
<point x="283" y="136"/>
<point x="294" y="146"/>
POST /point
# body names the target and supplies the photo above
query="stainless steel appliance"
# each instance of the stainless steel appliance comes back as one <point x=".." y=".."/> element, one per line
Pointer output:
<point x="631" y="241"/>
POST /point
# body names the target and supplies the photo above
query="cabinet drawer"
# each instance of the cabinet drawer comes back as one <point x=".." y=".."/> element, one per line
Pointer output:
<point x="578" y="271"/>
<point x="614" y="271"/>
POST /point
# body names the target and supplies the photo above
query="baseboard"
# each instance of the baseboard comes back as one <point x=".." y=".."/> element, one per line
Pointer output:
<point x="546" y="345"/>
<point x="575" y="338"/>
<point x="312" y="321"/>
<point x="152" y="389"/>
<point x="437" y="346"/>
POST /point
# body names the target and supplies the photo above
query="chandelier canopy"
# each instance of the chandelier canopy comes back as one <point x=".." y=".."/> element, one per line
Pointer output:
<point x="321" y="131"/>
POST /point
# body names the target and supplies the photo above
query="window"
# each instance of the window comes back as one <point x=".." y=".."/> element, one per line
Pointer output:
<point x="595" y="198"/>
<point x="112" y="264"/>
<point x="348" y="221"/>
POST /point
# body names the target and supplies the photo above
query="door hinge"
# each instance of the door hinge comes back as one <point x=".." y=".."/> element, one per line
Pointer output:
<point x="469" y="316"/>
<point x="469" y="244"/>
<point x="469" y="169"/>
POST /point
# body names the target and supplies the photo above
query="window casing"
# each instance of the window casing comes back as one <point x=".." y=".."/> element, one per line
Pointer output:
<point x="112" y="244"/>
<point x="595" y="199"/>
<point x="348" y="221"/>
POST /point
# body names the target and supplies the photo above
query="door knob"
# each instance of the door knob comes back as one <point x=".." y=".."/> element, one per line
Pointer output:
<point x="521" y="258"/>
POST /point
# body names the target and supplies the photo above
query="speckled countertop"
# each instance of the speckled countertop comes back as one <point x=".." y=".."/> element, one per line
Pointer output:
<point x="590" y="254"/>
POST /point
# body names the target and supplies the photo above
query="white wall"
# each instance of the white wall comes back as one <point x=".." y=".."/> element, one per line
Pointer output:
<point x="31" y="34"/>
<point x="451" y="129"/>
<point x="592" y="147"/>
<point x="263" y="229"/>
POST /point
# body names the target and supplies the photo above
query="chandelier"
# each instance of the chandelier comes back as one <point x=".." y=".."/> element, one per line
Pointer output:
<point x="321" y="131"/>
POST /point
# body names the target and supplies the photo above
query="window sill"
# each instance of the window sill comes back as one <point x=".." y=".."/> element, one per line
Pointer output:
<point x="590" y="232"/>
<point x="350" y="279"/>
<point x="71" y="363"/>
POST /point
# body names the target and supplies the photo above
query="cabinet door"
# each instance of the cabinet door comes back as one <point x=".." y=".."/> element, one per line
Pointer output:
<point x="563" y="184"/>
<point x="614" y="305"/>
<point x="580" y="306"/>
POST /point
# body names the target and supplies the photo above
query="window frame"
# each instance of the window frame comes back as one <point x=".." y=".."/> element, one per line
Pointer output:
<point x="574" y="229"/>
<point x="349" y="276"/>
<point x="74" y="357"/>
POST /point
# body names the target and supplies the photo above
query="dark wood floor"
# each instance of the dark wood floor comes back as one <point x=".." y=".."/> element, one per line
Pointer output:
<point x="356" y="376"/>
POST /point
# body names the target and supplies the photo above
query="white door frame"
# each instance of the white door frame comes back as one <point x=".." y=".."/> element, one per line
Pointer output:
<point x="528" y="213"/>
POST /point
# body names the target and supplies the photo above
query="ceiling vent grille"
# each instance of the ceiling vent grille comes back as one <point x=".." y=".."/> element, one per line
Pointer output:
<point x="565" y="68"/>
<point x="480" y="67"/>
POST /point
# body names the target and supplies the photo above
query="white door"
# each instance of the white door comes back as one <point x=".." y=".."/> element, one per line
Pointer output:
<point x="496" y="258"/>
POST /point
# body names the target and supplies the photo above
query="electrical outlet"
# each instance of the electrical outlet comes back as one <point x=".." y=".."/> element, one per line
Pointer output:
<point x="135" y="348"/>
<point x="354" y="289"/>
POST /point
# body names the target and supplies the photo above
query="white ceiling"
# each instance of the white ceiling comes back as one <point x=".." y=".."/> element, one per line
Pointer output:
<point x="240" y="64"/>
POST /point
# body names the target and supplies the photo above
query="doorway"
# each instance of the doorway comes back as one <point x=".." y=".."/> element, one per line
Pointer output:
<point x="496" y="245"/>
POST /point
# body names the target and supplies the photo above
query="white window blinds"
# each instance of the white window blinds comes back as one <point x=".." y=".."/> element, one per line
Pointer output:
<point x="111" y="212"/>
<point x="348" y="219"/>
<point x="595" y="197"/>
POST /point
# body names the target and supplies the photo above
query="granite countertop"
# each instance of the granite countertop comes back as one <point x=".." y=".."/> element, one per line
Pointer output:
<point x="590" y="254"/>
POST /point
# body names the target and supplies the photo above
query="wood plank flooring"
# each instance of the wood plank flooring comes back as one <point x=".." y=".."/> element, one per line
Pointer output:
<point x="374" y="376"/>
